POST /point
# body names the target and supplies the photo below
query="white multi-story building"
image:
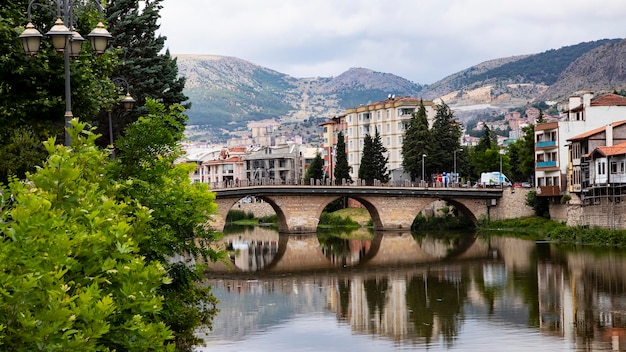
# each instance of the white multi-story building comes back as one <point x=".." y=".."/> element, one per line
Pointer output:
<point x="583" y="113"/>
<point x="391" y="118"/>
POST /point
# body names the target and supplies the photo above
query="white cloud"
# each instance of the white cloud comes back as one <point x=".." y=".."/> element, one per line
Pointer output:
<point x="423" y="41"/>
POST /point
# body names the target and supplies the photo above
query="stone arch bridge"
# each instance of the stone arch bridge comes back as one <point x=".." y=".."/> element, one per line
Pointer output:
<point x="298" y="208"/>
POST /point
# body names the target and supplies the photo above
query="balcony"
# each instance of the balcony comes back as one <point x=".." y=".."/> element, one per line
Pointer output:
<point x="548" y="191"/>
<point x="546" y="164"/>
<point x="546" y="144"/>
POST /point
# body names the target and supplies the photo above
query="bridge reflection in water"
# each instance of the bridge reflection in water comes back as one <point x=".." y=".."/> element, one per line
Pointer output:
<point x="266" y="251"/>
<point x="426" y="292"/>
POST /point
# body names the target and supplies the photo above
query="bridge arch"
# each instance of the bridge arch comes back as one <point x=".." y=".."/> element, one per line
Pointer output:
<point x="298" y="208"/>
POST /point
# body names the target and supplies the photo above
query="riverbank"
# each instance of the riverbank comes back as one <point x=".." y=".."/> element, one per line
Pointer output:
<point x="538" y="228"/>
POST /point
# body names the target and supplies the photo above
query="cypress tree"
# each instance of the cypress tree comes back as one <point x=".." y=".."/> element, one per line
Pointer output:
<point x="446" y="134"/>
<point x="342" y="169"/>
<point x="366" y="169"/>
<point x="417" y="141"/>
<point x="380" y="160"/>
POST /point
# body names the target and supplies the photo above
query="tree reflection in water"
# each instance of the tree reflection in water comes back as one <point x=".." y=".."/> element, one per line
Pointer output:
<point x="430" y="290"/>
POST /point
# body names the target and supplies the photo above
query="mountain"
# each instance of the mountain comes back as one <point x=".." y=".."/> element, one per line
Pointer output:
<point x="227" y="92"/>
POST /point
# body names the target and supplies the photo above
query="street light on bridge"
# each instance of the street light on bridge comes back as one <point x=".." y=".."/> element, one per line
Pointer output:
<point x="65" y="40"/>
<point x="456" y="176"/>
<point x="423" y="156"/>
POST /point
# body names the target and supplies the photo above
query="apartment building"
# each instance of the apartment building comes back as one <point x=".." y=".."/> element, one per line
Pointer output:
<point x="330" y="130"/>
<point x="391" y="118"/>
<point x="582" y="113"/>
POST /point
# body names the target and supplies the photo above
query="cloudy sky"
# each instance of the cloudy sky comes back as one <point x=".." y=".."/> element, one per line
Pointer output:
<point x="420" y="40"/>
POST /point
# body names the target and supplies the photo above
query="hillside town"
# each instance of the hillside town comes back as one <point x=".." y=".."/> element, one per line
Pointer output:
<point x="580" y="155"/>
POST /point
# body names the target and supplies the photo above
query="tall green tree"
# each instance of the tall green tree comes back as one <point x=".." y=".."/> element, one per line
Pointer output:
<point x="380" y="158"/>
<point x="180" y="211"/>
<point x="150" y="72"/>
<point x="487" y="141"/>
<point x="315" y="170"/>
<point x="446" y="138"/>
<point x="373" y="161"/>
<point x="522" y="155"/>
<point x="72" y="275"/>
<point x="366" y="169"/>
<point x="342" y="168"/>
<point x="417" y="141"/>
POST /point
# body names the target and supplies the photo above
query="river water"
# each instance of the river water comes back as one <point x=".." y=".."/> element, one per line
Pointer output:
<point x="405" y="292"/>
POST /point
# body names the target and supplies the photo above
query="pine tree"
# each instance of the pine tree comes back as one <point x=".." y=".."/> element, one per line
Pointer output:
<point x="149" y="72"/>
<point x="446" y="134"/>
<point x="342" y="169"/>
<point x="316" y="169"/>
<point x="417" y="141"/>
<point x="380" y="158"/>
<point x="366" y="169"/>
<point x="373" y="162"/>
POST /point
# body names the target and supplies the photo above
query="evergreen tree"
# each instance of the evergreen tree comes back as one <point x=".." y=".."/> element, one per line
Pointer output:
<point x="342" y="169"/>
<point x="149" y="72"/>
<point x="366" y="169"/>
<point x="380" y="158"/>
<point x="316" y="169"/>
<point x="373" y="162"/>
<point x="523" y="167"/>
<point x="486" y="141"/>
<point x="446" y="134"/>
<point x="417" y="141"/>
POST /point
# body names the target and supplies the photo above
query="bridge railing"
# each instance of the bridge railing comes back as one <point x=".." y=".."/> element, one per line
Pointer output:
<point x="269" y="182"/>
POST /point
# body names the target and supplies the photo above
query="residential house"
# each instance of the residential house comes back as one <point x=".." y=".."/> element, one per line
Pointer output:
<point x="281" y="164"/>
<point x="582" y="113"/>
<point x="227" y="169"/>
<point x="580" y="171"/>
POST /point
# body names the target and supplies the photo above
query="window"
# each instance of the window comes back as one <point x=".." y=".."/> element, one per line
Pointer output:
<point x="379" y="115"/>
<point x="613" y="167"/>
<point x="388" y="128"/>
<point x="601" y="168"/>
<point x="388" y="141"/>
<point x="388" y="114"/>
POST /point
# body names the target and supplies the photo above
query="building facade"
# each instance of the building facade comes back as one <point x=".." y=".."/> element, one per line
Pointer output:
<point x="390" y="118"/>
<point x="552" y="155"/>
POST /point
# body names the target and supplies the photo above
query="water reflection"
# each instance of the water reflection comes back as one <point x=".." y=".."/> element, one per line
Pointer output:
<point x="456" y="291"/>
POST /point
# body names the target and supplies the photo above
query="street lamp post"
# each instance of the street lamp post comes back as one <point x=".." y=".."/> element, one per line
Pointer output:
<point x="423" y="156"/>
<point x="127" y="102"/>
<point x="456" y="177"/>
<point x="65" y="40"/>
<point x="501" y="176"/>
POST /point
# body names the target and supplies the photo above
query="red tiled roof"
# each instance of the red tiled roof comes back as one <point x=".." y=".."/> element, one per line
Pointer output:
<point x="221" y="161"/>
<point x="595" y="131"/>
<point x="617" y="149"/>
<point x="609" y="100"/>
